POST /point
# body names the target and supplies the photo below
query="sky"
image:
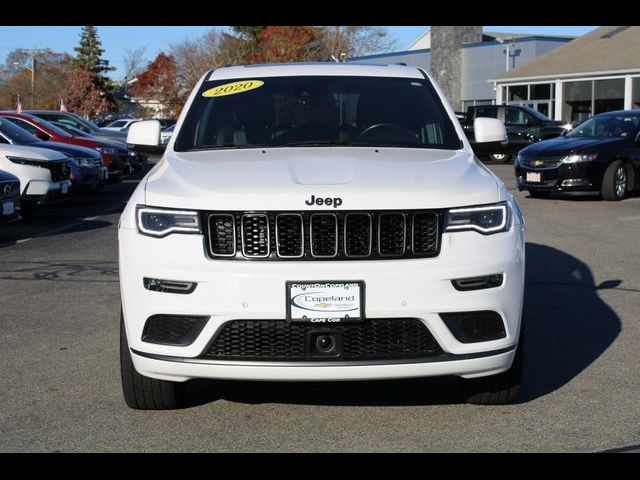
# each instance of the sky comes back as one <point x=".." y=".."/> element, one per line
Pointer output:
<point x="117" y="40"/>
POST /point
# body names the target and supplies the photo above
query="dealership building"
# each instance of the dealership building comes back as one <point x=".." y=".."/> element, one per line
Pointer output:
<point x="565" y="78"/>
<point x="592" y="74"/>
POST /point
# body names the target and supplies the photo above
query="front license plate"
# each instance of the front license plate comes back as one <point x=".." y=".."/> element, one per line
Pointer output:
<point x="534" y="177"/>
<point x="325" y="302"/>
<point x="8" y="208"/>
<point x="65" y="188"/>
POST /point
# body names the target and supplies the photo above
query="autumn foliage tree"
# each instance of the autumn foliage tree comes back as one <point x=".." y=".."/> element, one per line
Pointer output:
<point x="82" y="96"/>
<point x="158" y="82"/>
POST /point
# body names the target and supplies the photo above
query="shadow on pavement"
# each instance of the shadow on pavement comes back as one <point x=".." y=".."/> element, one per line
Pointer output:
<point x="568" y="328"/>
<point x="77" y="215"/>
<point x="568" y="325"/>
<point x="85" y="271"/>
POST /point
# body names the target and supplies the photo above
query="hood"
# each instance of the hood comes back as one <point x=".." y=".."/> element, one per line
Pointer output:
<point x="71" y="150"/>
<point x="33" y="153"/>
<point x="561" y="146"/>
<point x="287" y="178"/>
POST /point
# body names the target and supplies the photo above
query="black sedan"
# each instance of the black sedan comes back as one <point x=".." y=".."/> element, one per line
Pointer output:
<point x="601" y="155"/>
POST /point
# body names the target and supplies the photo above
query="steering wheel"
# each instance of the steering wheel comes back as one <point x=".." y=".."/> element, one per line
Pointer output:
<point x="392" y="126"/>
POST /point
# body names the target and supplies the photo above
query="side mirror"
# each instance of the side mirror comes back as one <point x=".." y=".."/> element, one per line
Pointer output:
<point x="144" y="137"/>
<point x="489" y="130"/>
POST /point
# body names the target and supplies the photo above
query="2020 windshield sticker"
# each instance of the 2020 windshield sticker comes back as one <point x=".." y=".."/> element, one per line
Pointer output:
<point x="233" y="88"/>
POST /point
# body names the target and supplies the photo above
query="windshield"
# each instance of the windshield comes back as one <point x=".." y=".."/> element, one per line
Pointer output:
<point x="317" y="110"/>
<point x="608" y="126"/>
<point x="16" y="134"/>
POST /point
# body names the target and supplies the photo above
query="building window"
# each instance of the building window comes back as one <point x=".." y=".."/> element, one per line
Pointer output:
<point x="540" y="91"/>
<point x="518" y="93"/>
<point x="577" y="100"/>
<point x="608" y="95"/>
<point x="635" y="93"/>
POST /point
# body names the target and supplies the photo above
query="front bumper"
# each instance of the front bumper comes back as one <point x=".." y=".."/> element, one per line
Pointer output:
<point x="44" y="192"/>
<point x="416" y="288"/>
<point x="584" y="176"/>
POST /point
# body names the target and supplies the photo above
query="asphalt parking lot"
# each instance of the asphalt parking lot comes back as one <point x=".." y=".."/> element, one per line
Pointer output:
<point x="59" y="317"/>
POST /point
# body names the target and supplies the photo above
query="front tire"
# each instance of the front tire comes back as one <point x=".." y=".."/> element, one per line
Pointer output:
<point x="144" y="393"/>
<point x="501" y="389"/>
<point x="615" y="182"/>
<point x="499" y="157"/>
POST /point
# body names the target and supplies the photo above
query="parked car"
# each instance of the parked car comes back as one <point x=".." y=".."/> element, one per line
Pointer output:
<point x="601" y="154"/>
<point x="138" y="162"/>
<point x="78" y="122"/>
<point x="246" y="254"/>
<point x="165" y="135"/>
<point x="9" y="196"/>
<point x="121" y="125"/>
<point x="87" y="171"/>
<point x="114" y="157"/>
<point x="524" y="127"/>
<point x="44" y="175"/>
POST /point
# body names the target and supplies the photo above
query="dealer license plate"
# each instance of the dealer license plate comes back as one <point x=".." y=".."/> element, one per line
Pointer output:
<point x="8" y="208"/>
<point x="534" y="177"/>
<point x="65" y="188"/>
<point x="325" y="302"/>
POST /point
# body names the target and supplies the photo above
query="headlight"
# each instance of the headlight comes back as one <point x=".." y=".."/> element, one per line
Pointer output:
<point x="487" y="219"/>
<point x="82" y="162"/>
<point x="159" y="222"/>
<point x="580" y="158"/>
<point x="107" y="150"/>
<point x="26" y="161"/>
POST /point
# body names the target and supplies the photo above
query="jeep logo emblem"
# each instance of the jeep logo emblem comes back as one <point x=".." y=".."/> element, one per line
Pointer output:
<point x="335" y="201"/>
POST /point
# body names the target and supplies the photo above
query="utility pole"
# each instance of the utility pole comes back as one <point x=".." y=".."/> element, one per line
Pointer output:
<point x="33" y="53"/>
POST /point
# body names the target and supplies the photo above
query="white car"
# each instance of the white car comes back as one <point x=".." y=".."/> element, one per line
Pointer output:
<point x="121" y="124"/>
<point x="319" y="222"/>
<point x="44" y="174"/>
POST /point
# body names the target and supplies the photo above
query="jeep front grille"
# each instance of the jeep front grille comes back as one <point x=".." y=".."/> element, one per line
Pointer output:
<point x="310" y="235"/>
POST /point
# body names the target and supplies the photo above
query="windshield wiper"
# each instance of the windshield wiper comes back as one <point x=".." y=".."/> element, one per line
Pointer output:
<point x="224" y="146"/>
<point x="313" y="143"/>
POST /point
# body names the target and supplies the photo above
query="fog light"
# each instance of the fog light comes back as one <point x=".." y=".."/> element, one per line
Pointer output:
<point x="471" y="327"/>
<point x="168" y="286"/>
<point x="478" y="283"/>
<point x="180" y="330"/>
<point x="575" y="182"/>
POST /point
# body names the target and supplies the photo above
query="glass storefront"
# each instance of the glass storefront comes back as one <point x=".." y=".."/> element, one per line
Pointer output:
<point x="608" y="95"/>
<point x="583" y="99"/>
<point x="577" y="100"/>
<point x="538" y="96"/>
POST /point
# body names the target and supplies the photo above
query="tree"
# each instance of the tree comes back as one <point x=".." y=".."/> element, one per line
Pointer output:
<point x="83" y="97"/>
<point x="353" y="41"/>
<point x="288" y="44"/>
<point x="89" y="58"/>
<point x="133" y="62"/>
<point x="158" y="82"/>
<point x="49" y="80"/>
<point x="89" y="53"/>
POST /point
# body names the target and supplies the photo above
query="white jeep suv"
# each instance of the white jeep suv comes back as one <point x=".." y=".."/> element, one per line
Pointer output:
<point x="319" y="222"/>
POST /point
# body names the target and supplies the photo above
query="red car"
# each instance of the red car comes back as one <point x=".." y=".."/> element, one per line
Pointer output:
<point x="115" y="156"/>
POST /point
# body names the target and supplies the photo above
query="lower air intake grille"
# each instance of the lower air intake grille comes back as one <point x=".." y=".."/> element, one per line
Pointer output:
<point x="280" y="340"/>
